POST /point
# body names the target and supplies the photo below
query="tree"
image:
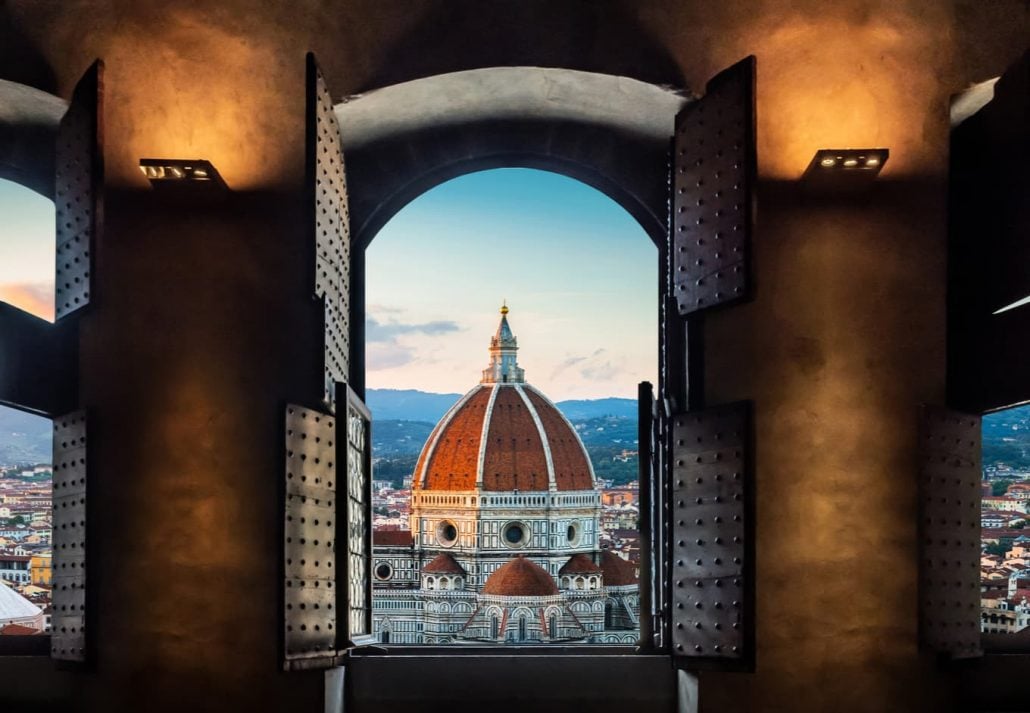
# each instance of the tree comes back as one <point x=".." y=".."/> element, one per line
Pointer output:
<point x="999" y="487"/>
<point x="997" y="549"/>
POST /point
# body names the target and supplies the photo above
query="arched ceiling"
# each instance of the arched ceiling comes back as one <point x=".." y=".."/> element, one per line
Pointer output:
<point x="610" y="132"/>
<point x="28" y="124"/>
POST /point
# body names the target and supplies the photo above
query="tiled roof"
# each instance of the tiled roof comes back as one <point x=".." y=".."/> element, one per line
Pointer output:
<point x="571" y="466"/>
<point x="17" y="630"/>
<point x="392" y="538"/>
<point x="520" y="577"/>
<point x="617" y="571"/>
<point x="444" y="564"/>
<point x="579" y="564"/>
<point x="454" y="459"/>
<point x="526" y="438"/>
<point x="515" y="457"/>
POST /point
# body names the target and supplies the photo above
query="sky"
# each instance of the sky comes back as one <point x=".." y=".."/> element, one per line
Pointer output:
<point x="26" y="249"/>
<point x="578" y="272"/>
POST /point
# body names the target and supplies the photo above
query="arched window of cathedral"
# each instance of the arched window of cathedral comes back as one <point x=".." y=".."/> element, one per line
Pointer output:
<point x="552" y="626"/>
<point x="522" y="628"/>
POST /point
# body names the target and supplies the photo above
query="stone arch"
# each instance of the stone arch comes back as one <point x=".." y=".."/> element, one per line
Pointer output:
<point x="607" y="131"/>
<point x="29" y="119"/>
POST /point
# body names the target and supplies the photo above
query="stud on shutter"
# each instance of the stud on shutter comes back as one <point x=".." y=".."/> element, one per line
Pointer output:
<point x="68" y="623"/>
<point x="310" y="632"/>
<point x="949" y="497"/>
<point x="713" y="177"/>
<point x="712" y="547"/>
<point x="330" y="224"/>
<point x="77" y="192"/>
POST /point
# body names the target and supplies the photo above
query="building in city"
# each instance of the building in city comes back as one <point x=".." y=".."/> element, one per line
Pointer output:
<point x="16" y="609"/>
<point x="503" y="545"/>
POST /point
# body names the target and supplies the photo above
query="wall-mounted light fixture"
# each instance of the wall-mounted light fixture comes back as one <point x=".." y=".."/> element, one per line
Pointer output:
<point x="844" y="169"/>
<point x="168" y="172"/>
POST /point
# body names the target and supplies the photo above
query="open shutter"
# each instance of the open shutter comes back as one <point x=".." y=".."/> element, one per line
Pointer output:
<point x="77" y="193"/>
<point x="713" y="182"/>
<point x="354" y="451"/>
<point x="949" y="572"/>
<point x="311" y="633"/>
<point x="68" y="623"/>
<point x="327" y="541"/>
<point x="330" y="223"/>
<point x="710" y="457"/>
<point x="713" y="536"/>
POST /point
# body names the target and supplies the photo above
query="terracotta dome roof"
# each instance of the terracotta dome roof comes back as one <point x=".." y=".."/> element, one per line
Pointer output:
<point x="617" y="571"/>
<point x="520" y="577"/>
<point x="392" y="538"/>
<point x="579" y="564"/>
<point x="444" y="564"/>
<point x="503" y="435"/>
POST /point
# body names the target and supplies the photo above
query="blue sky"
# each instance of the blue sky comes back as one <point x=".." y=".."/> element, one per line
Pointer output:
<point x="26" y="249"/>
<point x="578" y="272"/>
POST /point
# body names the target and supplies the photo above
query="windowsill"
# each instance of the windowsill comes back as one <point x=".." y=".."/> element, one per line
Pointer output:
<point x="522" y="680"/>
<point x="38" y="645"/>
<point x="541" y="650"/>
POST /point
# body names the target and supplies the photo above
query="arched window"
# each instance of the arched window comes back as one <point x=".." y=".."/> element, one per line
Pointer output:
<point x="495" y="625"/>
<point x="552" y="626"/>
<point x="522" y="628"/>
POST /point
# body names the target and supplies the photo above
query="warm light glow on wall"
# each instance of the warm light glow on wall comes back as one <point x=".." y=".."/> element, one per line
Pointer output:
<point x="846" y="78"/>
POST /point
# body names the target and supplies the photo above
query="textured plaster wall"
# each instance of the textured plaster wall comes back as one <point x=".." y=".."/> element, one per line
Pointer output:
<point x="202" y="327"/>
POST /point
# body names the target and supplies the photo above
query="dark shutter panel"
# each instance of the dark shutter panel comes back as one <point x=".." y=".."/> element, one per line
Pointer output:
<point x="77" y="193"/>
<point x="68" y="623"/>
<point x="330" y="224"/>
<point x="354" y="452"/>
<point x="309" y="549"/>
<point x="712" y="548"/>
<point x="713" y="182"/>
<point x="949" y="483"/>
<point x="328" y="487"/>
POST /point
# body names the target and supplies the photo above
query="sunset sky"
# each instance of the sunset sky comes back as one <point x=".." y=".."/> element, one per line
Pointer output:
<point x="26" y="249"/>
<point x="579" y="274"/>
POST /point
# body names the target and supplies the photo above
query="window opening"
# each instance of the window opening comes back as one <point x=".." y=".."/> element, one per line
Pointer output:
<point x="27" y="250"/>
<point x="1004" y="530"/>
<point x="27" y="270"/>
<point x="537" y="452"/>
<point x="26" y="491"/>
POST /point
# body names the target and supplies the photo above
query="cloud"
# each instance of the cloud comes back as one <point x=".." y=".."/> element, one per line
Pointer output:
<point x="376" y="331"/>
<point x="572" y="361"/>
<point x="387" y="355"/>
<point x="384" y="349"/>
<point x="34" y="297"/>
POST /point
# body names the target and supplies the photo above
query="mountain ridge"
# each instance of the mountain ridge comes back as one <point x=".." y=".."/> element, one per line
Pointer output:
<point x="416" y="405"/>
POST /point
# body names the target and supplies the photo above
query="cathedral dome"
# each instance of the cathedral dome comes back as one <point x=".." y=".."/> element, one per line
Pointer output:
<point x="520" y="577"/>
<point x="617" y="571"/>
<point x="503" y="435"/>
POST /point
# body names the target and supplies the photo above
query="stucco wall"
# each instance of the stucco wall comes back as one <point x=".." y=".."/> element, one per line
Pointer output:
<point x="201" y="326"/>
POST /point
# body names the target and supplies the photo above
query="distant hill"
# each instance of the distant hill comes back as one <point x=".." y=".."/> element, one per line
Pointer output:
<point x="24" y="439"/>
<point x="408" y="404"/>
<point x="1006" y="438"/>
<point x="414" y="405"/>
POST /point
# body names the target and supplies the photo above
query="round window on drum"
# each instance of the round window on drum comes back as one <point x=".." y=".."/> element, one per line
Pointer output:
<point x="447" y="533"/>
<point x="516" y="534"/>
